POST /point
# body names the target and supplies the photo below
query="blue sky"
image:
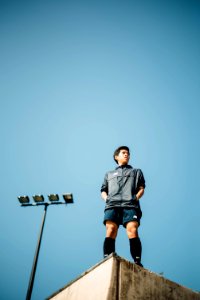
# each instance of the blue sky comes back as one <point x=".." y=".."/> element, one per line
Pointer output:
<point x="78" y="79"/>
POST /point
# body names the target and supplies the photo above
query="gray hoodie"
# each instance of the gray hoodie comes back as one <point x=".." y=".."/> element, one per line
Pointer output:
<point x="121" y="185"/>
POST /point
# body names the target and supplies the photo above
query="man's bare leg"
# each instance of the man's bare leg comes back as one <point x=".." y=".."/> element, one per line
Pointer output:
<point x="135" y="243"/>
<point x="111" y="233"/>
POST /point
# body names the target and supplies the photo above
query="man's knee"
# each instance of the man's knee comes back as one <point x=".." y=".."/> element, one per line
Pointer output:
<point x="111" y="229"/>
<point x="132" y="229"/>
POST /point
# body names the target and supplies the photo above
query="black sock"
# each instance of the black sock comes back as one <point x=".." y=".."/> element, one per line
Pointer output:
<point x="108" y="246"/>
<point x="136" y="249"/>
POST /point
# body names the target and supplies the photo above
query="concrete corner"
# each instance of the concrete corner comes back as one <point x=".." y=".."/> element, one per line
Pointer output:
<point x="118" y="279"/>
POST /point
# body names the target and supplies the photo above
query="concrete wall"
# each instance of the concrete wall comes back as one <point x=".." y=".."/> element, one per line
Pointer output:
<point x="118" y="279"/>
<point x="94" y="284"/>
<point x="136" y="283"/>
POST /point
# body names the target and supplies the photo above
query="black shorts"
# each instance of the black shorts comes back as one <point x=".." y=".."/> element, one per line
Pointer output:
<point x="121" y="216"/>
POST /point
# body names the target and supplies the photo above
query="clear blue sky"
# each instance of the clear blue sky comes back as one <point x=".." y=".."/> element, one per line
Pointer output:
<point x="78" y="79"/>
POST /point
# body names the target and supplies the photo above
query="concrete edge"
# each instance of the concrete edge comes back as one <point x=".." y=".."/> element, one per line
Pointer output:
<point x="154" y="274"/>
<point x="116" y="267"/>
<point x="113" y="291"/>
<point x="83" y="274"/>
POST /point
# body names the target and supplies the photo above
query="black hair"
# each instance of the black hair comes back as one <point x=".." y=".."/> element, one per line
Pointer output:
<point x="118" y="150"/>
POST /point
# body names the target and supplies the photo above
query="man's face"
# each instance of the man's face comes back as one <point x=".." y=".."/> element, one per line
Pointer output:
<point x="123" y="157"/>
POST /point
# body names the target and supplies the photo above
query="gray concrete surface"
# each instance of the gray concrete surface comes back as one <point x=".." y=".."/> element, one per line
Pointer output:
<point x="118" y="279"/>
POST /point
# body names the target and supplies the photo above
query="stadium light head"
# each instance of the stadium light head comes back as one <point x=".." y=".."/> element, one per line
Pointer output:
<point x="38" y="198"/>
<point x="53" y="197"/>
<point x="68" y="198"/>
<point x="23" y="199"/>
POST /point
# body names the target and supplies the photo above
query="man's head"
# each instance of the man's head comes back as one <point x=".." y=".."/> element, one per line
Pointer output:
<point x="122" y="155"/>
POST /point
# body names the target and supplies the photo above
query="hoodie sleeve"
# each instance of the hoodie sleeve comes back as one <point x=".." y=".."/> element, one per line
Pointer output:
<point x="104" y="187"/>
<point x="141" y="180"/>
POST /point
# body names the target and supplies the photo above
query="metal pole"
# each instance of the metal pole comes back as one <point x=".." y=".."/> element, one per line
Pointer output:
<point x="32" y="276"/>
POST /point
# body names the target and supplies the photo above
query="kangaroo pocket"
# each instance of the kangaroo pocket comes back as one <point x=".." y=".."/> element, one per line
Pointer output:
<point x="128" y="203"/>
<point x="111" y="201"/>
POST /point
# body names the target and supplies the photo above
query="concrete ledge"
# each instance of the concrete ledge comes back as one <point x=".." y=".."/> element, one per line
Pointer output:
<point x="115" y="278"/>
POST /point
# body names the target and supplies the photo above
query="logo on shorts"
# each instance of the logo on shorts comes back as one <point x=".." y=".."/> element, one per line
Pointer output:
<point x="134" y="217"/>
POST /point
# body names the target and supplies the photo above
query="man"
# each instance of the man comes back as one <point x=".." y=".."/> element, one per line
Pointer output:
<point x="121" y="190"/>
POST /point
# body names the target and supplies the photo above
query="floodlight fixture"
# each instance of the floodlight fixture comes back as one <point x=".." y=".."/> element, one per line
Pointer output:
<point x="23" y="199"/>
<point x="53" y="197"/>
<point x="68" y="198"/>
<point x="38" y="198"/>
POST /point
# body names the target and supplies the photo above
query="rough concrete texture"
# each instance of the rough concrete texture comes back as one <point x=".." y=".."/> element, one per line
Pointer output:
<point x="118" y="279"/>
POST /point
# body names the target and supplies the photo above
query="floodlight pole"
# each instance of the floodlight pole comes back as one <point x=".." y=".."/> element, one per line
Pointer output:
<point x="39" y="200"/>
<point x="32" y="276"/>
